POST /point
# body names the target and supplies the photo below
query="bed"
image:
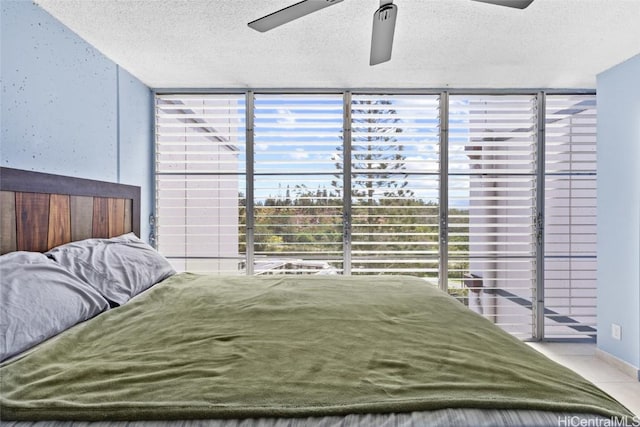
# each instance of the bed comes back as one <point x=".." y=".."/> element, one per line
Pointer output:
<point x="135" y="343"/>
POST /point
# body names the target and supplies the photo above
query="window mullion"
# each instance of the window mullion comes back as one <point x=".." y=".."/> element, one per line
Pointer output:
<point x="444" y="191"/>
<point x="346" y="196"/>
<point x="538" y="308"/>
<point x="249" y="208"/>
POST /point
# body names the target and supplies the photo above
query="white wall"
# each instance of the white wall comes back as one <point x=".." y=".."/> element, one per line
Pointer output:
<point x="67" y="109"/>
<point x="619" y="209"/>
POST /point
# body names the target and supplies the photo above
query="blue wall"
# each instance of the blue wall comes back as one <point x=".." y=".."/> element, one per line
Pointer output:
<point x="67" y="109"/>
<point x="619" y="209"/>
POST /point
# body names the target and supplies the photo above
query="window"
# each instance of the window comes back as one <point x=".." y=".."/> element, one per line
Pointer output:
<point x="395" y="172"/>
<point x="491" y="197"/>
<point x="298" y="184"/>
<point x="570" y="216"/>
<point x="200" y="181"/>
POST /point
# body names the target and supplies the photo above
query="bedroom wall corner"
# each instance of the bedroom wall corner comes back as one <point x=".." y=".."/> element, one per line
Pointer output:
<point x="135" y="159"/>
<point x="67" y="109"/>
<point x="618" y="97"/>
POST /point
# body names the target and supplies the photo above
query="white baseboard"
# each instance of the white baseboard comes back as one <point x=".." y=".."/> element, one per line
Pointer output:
<point x="622" y="365"/>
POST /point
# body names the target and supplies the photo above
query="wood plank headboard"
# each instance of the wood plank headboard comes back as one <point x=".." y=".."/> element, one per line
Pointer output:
<point x="40" y="211"/>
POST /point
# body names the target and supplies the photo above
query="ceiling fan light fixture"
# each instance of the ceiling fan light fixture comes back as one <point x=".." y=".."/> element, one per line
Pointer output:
<point x="384" y="21"/>
<point x="384" y="24"/>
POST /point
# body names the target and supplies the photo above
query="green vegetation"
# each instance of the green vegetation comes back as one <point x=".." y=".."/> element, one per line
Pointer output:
<point x="395" y="235"/>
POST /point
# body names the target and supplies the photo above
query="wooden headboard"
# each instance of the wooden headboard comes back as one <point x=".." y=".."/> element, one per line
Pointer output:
<point x="40" y="211"/>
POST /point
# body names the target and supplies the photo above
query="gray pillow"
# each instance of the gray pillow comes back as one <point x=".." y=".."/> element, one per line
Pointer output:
<point x="39" y="299"/>
<point x="119" y="268"/>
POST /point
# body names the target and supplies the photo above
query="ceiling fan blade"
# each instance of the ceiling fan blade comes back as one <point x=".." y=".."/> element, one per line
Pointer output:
<point x="290" y="13"/>
<point x="518" y="4"/>
<point x="384" y="25"/>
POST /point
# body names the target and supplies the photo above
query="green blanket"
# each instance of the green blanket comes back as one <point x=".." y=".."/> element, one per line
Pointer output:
<point x="219" y="347"/>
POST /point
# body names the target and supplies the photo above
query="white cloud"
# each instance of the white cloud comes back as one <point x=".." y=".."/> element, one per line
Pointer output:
<point x="420" y="165"/>
<point x="285" y="116"/>
<point x="299" y="154"/>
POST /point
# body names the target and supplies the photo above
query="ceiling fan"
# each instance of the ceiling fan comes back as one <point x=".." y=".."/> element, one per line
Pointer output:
<point x="384" y="21"/>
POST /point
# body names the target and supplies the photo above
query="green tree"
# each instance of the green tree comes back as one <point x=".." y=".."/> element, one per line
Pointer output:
<point x="377" y="158"/>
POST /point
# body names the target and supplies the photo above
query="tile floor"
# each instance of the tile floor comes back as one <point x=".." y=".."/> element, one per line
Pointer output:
<point x="582" y="359"/>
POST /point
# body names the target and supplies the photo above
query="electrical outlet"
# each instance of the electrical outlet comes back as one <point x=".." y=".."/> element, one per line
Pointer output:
<point x="616" y="331"/>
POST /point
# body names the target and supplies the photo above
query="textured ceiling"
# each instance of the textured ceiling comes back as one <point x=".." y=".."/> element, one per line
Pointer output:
<point x="438" y="43"/>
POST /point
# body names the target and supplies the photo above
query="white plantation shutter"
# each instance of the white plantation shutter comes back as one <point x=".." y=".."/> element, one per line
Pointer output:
<point x="200" y="161"/>
<point x="394" y="185"/>
<point x="492" y="194"/>
<point x="570" y="216"/>
<point x="298" y="187"/>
